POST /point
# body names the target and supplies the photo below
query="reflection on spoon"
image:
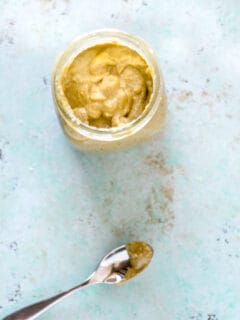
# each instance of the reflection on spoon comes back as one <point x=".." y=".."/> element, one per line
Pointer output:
<point x="117" y="267"/>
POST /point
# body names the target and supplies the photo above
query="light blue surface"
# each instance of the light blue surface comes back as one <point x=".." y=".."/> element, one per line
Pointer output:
<point x="61" y="210"/>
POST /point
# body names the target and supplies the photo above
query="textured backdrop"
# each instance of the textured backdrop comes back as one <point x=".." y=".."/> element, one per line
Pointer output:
<point x="61" y="210"/>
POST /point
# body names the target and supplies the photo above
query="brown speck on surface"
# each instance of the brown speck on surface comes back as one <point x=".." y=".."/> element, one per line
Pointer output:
<point x="184" y="95"/>
<point x="167" y="192"/>
<point x="183" y="80"/>
<point x="204" y="93"/>
<point x="16" y="295"/>
<point x="107" y="201"/>
<point x="124" y="230"/>
<point x="13" y="246"/>
<point x="117" y="231"/>
<point x="114" y="16"/>
<point x="159" y="202"/>
<point x="200" y="50"/>
<point x="150" y="212"/>
<point x="6" y="38"/>
<point x="212" y="317"/>
<point x="45" y="80"/>
<point x="181" y="95"/>
<point x="180" y="108"/>
<point x="159" y="209"/>
<point x="236" y="142"/>
<point x="158" y="161"/>
<point x="180" y="169"/>
<point x="112" y="183"/>
<point x="7" y="33"/>
<point x="10" y="40"/>
<point x="48" y="5"/>
<point x="106" y="210"/>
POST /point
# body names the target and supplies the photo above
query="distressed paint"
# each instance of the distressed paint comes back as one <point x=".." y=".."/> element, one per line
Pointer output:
<point x="61" y="210"/>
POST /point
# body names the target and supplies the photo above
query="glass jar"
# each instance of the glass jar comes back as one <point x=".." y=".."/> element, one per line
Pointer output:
<point x="87" y="137"/>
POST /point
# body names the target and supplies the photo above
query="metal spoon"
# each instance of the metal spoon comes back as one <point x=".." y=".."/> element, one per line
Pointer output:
<point x="118" y="266"/>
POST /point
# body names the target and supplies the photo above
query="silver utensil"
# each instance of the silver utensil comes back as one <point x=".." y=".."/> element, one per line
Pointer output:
<point x="116" y="267"/>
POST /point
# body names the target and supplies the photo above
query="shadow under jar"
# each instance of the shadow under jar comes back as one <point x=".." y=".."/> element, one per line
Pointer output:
<point x="81" y="127"/>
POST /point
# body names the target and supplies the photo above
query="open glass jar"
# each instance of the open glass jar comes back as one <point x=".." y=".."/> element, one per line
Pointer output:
<point x="87" y="137"/>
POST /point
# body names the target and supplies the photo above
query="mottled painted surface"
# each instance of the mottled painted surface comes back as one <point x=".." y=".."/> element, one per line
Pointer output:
<point x="61" y="210"/>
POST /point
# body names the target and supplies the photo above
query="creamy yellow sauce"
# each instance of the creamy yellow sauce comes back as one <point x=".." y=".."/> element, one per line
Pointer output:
<point x="140" y="254"/>
<point x="107" y="85"/>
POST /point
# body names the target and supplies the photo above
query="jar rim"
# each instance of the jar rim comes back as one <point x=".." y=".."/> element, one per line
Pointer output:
<point x="86" y="41"/>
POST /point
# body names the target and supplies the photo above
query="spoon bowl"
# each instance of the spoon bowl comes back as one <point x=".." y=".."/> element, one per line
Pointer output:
<point x="112" y="267"/>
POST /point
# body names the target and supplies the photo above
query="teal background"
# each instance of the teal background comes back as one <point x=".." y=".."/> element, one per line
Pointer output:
<point x="61" y="210"/>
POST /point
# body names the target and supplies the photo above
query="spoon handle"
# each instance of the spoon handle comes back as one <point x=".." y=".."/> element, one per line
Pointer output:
<point x="33" y="311"/>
